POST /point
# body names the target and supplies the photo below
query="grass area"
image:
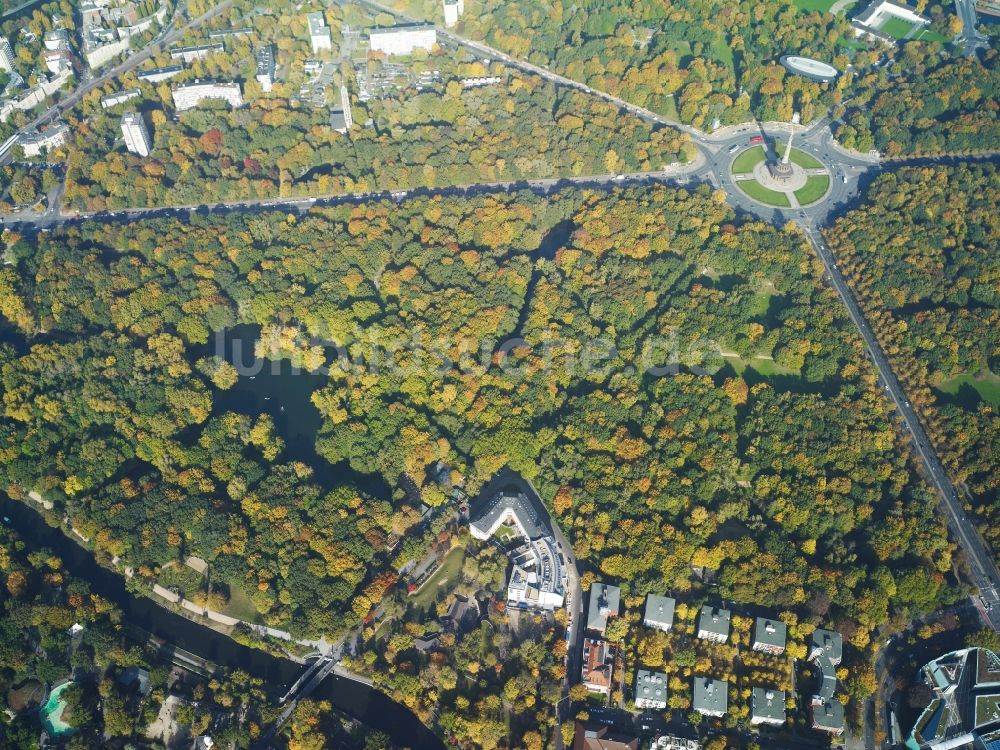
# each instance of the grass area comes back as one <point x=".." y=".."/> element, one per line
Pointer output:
<point x="758" y="192"/>
<point x="814" y="189"/>
<point x="746" y="161"/>
<point x="724" y="53"/>
<point x="929" y="35"/>
<point x="446" y="572"/>
<point x="799" y="157"/>
<point x="762" y="299"/>
<point x="897" y="28"/>
<point x="823" y="6"/>
<point x="987" y="385"/>
<point x="855" y="44"/>
<point x="764" y="367"/>
<point x="182" y="577"/>
<point x="504" y="533"/>
<point x="240" y="606"/>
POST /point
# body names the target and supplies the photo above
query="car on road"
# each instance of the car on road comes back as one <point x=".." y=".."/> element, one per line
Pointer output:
<point x="757" y="139"/>
<point x="734" y="148"/>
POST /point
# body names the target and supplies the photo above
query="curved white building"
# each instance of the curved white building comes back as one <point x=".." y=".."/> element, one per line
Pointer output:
<point x="807" y="67"/>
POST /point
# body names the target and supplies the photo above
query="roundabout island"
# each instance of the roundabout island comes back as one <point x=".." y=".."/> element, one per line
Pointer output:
<point x="792" y="180"/>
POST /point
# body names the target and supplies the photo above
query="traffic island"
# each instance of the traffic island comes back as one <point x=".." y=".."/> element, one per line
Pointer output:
<point x="793" y="181"/>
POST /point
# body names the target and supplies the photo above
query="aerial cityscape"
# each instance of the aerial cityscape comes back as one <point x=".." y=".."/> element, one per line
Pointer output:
<point x="425" y="374"/>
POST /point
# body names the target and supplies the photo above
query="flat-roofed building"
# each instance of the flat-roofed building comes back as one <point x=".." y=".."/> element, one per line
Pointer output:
<point x="119" y="97"/>
<point x="711" y="696"/>
<point x="659" y="612"/>
<point x="402" y="40"/>
<point x="713" y="624"/>
<point x="650" y="689"/>
<point x="767" y="706"/>
<point x="156" y="75"/>
<point x="769" y="636"/>
<point x="190" y="95"/>
<point x="265" y="66"/>
<point x="136" y="134"/>
<point x="199" y="52"/>
<point x="319" y="32"/>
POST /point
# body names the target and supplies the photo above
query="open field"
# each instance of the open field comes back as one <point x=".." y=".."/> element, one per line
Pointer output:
<point x="758" y="192"/>
<point x="447" y="571"/>
<point x="897" y="28"/>
<point x="746" y="161"/>
<point x="987" y="385"/>
<point x="814" y="189"/>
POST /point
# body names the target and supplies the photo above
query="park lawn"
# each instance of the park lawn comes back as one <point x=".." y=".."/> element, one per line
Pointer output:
<point x="929" y="35"/>
<point x="758" y="192"/>
<point x="746" y="161"/>
<point x="447" y="571"/>
<point x="823" y="6"/>
<point x="799" y="157"/>
<point x="765" y="367"/>
<point x="814" y="189"/>
<point x="987" y="385"/>
<point x="762" y="299"/>
<point x="240" y="606"/>
<point x="724" y="53"/>
<point x="182" y="577"/>
<point x="897" y="28"/>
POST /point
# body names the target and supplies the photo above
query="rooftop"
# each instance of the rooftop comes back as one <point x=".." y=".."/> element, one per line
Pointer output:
<point x="605" y="602"/>
<point x="714" y="620"/>
<point x="768" y="704"/>
<point x="828" y="714"/>
<point x="659" y="610"/>
<point x="402" y="29"/>
<point x="600" y="737"/>
<point x="650" y="686"/>
<point x="769" y="632"/>
<point x="710" y="695"/>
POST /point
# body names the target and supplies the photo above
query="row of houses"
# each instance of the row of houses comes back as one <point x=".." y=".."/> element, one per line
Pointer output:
<point x="710" y="696"/>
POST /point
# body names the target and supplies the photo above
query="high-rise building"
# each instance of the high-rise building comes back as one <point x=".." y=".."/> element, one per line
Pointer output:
<point x="451" y="12"/>
<point x="345" y="103"/>
<point x="136" y="134"/>
<point x="6" y="55"/>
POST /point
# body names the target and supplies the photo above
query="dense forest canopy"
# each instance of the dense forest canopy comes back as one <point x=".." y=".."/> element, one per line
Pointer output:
<point x="921" y="254"/>
<point x="110" y="411"/>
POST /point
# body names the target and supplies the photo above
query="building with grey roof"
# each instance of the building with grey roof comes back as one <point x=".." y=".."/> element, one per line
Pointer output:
<point x="605" y="602"/>
<point x="513" y="506"/>
<point x="767" y="706"/>
<point x="119" y="97"/>
<point x="155" y="75"/>
<point x="828" y="715"/>
<point x="197" y="52"/>
<point x="769" y="636"/>
<point x="713" y="624"/>
<point x="711" y="696"/>
<point x="403" y="40"/>
<point x="659" y="612"/>
<point x="650" y="689"/>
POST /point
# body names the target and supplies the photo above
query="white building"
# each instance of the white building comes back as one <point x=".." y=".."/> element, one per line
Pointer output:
<point x="137" y="139"/>
<point x="190" y="95"/>
<point x="265" y="67"/>
<point x="650" y="689"/>
<point x="200" y="52"/>
<point x="119" y="97"/>
<point x="525" y="591"/>
<point x="873" y="18"/>
<point x="453" y="10"/>
<point x="35" y="143"/>
<point x="345" y="104"/>
<point x="659" y="612"/>
<point x="403" y="40"/>
<point x="56" y="39"/>
<point x="6" y="55"/>
<point x="319" y="32"/>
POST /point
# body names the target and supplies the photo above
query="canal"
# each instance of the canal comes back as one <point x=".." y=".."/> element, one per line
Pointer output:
<point x="369" y="706"/>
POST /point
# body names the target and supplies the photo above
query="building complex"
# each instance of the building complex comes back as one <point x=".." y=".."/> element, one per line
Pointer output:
<point x="190" y="95"/>
<point x="964" y="711"/>
<point x="319" y="32"/>
<point x="825" y="652"/>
